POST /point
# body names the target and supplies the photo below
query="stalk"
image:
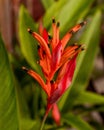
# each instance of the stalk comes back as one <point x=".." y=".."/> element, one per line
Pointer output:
<point x="45" y="117"/>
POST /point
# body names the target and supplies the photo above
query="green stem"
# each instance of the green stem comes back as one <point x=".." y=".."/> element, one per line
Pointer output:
<point x="45" y="116"/>
<point x="43" y="121"/>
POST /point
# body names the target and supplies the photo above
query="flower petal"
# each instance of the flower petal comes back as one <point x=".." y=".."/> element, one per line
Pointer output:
<point x="41" y="41"/>
<point x="54" y="33"/>
<point x="56" y="114"/>
<point x="43" y="32"/>
<point x="61" y="73"/>
<point x="69" y="53"/>
<point x="45" y="64"/>
<point x="39" y="79"/>
<point x="45" y="35"/>
<point x="55" y="28"/>
<point x="68" y="35"/>
<point x="65" y="81"/>
<point x="56" y="57"/>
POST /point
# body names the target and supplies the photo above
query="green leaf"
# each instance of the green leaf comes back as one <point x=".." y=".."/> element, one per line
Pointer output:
<point x="14" y="113"/>
<point x="8" y="110"/>
<point x="47" y="3"/>
<point x="89" y="97"/>
<point x="85" y="62"/>
<point x="67" y="12"/>
<point x="53" y="11"/>
<point x="76" y="122"/>
<point x="24" y="114"/>
<point x="72" y="12"/>
<point x="36" y="95"/>
<point x="27" y="42"/>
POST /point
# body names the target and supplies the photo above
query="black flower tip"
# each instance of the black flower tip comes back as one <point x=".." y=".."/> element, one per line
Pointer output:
<point x="82" y="47"/>
<point x="29" y="30"/>
<point x="49" y="36"/>
<point x="83" y="23"/>
<point x="38" y="47"/>
<point x="53" y="20"/>
<point x="58" y="24"/>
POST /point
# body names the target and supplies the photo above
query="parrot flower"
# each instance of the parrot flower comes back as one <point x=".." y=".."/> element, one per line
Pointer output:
<point x="55" y="57"/>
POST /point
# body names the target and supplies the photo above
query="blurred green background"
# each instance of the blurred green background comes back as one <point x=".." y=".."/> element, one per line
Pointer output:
<point x="22" y="102"/>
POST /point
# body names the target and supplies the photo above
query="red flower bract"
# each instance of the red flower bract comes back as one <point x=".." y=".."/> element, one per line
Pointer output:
<point x="55" y="57"/>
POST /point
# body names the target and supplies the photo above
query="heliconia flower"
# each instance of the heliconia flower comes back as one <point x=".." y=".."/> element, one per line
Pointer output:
<point x="56" y="114"/>
<point x="55" y="57"/>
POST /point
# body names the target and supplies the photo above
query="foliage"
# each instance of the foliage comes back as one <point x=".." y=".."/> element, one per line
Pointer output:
<point x="22" y="102"/>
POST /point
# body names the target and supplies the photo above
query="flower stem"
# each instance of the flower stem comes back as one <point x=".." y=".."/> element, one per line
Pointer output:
<point x="43" y="121"/>
<point x="45" y="116"/>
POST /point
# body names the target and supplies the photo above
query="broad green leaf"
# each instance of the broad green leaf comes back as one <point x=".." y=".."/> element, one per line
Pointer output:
<point x="8" y="108"/>
<point x="67" y="12"/>
<point x="25" y="120"/>
<point x="72" y="12"/>
<point x="27" y="42"/>
<point x="47" y="3"/>
<point x="36" y="95"/>
<point x="89" y="97"/>
<point x="76" y="122"/>
<point x="85" y="61"/>
<point x="14" y="113"/>
<point x="53" y="11"/>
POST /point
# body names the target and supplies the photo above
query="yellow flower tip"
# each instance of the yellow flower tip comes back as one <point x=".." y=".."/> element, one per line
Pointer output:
<point x="29" y="30"/>
<point x="38" y="62"/>
<point x="85" y="22"/>
<point x="75" y="44"/>
<point x="24" y="68"/>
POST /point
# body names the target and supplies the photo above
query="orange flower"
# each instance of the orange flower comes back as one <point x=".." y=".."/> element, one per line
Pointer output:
<point x="55" y="57"/>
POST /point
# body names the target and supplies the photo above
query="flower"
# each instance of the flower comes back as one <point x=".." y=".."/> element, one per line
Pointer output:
<point x="55" y="57"/>
<point x="56" y="114"/>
